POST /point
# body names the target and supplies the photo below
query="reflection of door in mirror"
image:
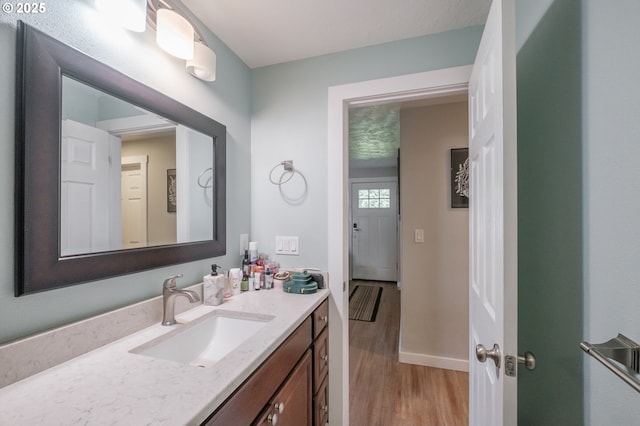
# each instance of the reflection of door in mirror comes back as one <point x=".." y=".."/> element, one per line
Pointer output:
<point x="134" y="201"/>
<point x="152" y="224"/>
<point x="89" y="190"/>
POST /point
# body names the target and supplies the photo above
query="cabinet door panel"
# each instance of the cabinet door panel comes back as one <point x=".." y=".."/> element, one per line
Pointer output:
<point x="292" y="403"/>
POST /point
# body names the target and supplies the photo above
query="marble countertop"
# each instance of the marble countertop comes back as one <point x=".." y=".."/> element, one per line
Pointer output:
<point x="112" y="386"/>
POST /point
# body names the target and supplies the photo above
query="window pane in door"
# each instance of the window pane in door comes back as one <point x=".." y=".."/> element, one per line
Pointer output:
<point x="379" y="198"/>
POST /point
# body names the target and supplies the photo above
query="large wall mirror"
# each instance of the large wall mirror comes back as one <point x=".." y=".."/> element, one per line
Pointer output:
<point x="112" y="177"/>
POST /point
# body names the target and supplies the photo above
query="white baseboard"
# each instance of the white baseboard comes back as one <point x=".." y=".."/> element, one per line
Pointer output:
<point x="434" y="361"/>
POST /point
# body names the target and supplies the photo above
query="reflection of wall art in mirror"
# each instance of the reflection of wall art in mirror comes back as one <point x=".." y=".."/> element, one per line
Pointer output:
<point x="460" y="178"/>
<point x="50" y="251"/>
<point x="171" y="191"/>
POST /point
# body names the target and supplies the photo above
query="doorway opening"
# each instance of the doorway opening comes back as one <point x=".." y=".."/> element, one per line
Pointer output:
<point x="430" y="315"/>
<point x="433" y="84"/>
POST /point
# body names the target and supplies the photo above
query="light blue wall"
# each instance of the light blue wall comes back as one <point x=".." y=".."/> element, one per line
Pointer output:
<point x="611" y="127"/>
<point x="289" y="122"/>
<point x="227" y="100"/>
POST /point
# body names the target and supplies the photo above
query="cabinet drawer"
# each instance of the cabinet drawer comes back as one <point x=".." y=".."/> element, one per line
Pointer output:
<point x="320" y="359"/>
<point x="320" y="318"/>
<point x="291" y="406"/>
<point x="321" y="405"/>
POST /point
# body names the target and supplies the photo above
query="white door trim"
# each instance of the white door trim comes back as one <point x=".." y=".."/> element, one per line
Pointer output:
<point x="430" y="84"/>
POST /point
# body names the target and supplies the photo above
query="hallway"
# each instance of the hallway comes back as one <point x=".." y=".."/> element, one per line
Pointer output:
<point x="383" y="391"/>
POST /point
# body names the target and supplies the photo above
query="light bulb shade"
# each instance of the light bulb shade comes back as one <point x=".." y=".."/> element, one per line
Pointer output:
<point x="174" y="34"/>
<point x="130" y="14"/>
<point x="203" y="64"/>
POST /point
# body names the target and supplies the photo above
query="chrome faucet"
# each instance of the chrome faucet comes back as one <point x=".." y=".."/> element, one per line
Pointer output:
<point x="169" y="294"/>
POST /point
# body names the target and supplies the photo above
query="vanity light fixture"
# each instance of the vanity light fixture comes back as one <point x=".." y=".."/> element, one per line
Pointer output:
<point x="203" y="64"/>
<point x="175" y="33"/>
<point x="130" y="14"/>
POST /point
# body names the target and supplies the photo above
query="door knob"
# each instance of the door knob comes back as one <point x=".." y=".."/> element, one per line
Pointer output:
<point x="482" y="354"/>
<point x="511" y="363"/>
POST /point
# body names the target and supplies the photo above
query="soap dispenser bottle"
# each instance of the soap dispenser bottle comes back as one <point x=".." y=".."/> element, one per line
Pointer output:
<point x="213" y="287"/>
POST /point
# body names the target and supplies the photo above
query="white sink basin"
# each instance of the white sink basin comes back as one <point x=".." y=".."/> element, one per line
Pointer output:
<point x="205" y="341"/>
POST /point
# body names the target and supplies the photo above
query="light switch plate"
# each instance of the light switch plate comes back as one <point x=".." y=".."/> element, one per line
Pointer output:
<point x="419" y="235"/>
<point x="287" y="246"/>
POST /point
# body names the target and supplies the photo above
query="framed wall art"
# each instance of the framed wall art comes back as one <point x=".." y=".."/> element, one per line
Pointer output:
<point x="460" y="178"/>
<point x="171" y="191"/>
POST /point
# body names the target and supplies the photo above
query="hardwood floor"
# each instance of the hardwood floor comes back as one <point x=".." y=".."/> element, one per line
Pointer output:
<point x="382" y="391"/>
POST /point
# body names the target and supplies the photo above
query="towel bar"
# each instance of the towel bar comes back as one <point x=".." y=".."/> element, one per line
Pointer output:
<point x="622" y="350"/>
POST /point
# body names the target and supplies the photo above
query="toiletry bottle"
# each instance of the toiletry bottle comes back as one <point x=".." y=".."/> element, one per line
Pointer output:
<point x="235" y="277"/>
<point x="251" y="286"/>
<point x="268" y="279"/>
<point x="253" y="252"/>
<point x="244" y="285"/>
<point x="256" y="280"/>
<point x="246" y="263"/>
<point x="228" y="290"/>
<point x="213" y="287"/>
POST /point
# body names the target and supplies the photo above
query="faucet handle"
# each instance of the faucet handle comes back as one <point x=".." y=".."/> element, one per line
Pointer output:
<point x="171" y="281"/>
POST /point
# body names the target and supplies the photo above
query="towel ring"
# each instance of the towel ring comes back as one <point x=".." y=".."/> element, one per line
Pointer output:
<point x="208" y="184"/>
<point x="288" y="168"/>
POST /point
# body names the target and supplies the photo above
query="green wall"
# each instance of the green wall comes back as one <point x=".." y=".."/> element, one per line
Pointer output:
<point x="550" y="283"/>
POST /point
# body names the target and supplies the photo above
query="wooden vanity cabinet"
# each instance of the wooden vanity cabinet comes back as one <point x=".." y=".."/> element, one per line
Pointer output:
<point x="290" y="385"/>
<point x="249" y="400"/>
<point x="320" y="364"/>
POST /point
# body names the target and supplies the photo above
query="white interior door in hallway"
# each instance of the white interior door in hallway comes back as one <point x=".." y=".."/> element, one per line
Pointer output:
<point x="493" y="227"/>
<point x="374" y="232"/>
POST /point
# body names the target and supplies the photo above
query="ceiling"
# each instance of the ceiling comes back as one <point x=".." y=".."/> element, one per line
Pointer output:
<point x="374" y="131"/>
<point x="266" y="32"/>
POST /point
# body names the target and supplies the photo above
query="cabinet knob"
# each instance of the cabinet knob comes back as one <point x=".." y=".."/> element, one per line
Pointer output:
<point x="325" y="408"/>
<point x="279" y="407"/>
<point x="325" y="358"/>
<point x="272" y="419"/>
<point x="324" y="318"/>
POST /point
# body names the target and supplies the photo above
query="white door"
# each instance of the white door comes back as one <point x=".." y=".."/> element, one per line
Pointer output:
<point x="493" y="221"/>
<point x="374" y="243"/>
<point x="88" y="196"/>
<point x="134" y="202"/>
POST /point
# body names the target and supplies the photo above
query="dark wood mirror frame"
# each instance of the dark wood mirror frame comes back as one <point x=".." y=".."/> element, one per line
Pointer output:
<point x="40" y="63"/>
